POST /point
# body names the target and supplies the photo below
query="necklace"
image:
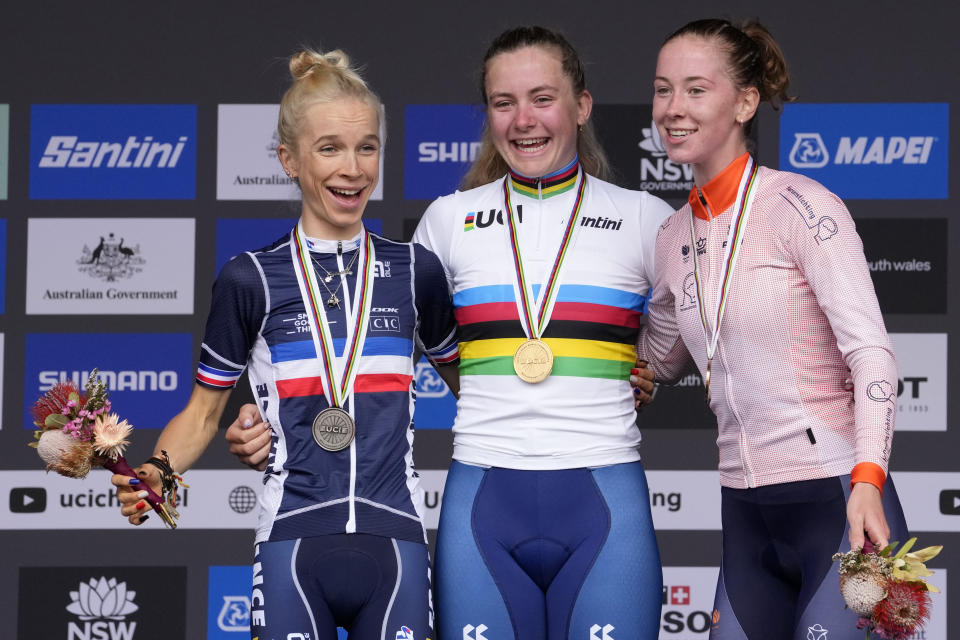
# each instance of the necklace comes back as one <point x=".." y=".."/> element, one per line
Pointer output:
<point x="333" y="300"/>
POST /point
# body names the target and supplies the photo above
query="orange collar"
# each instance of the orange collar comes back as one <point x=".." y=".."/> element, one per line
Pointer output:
<point x="720" y="193"/>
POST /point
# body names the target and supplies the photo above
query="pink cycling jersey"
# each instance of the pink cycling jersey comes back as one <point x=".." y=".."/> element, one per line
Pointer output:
<point x="801" y="324"/>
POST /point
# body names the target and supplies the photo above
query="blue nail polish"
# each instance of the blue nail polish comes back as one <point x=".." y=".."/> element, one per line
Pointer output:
<point x="134" y="481"/>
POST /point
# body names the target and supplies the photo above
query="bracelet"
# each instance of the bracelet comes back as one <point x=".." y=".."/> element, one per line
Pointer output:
<point x="169" y="479"/>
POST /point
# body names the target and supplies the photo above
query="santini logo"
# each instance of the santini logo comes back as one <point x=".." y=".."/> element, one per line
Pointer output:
<point x="70" y="151"/>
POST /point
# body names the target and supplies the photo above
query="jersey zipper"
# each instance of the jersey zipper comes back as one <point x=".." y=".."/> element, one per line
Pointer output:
<point x="744" y="450"/>
<point x="351" y="526"/>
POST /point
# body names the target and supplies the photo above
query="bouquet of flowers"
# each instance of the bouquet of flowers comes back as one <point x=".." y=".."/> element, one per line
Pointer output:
<point x="888" y="591"/>
<point x="76" y="431"/>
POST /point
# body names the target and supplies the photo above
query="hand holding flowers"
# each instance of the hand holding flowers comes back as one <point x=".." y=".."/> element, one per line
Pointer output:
<point x="887" y="591"/>
<point x="77" y="431"/>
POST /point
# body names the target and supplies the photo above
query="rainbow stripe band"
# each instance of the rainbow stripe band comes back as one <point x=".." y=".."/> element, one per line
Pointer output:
<point x="535" y="328"/>
<point x="335" y="387"/>
<point x="546" y="186"/>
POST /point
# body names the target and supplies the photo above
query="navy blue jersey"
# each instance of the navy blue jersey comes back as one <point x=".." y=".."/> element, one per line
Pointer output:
<point x="258" y="322"/>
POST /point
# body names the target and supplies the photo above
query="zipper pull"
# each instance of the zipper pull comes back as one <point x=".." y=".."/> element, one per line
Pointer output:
<point x="703" y="200"/>
<point x="339" y="247"/>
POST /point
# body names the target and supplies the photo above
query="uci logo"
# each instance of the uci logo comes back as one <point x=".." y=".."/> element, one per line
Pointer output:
<point x="809" y="151"/>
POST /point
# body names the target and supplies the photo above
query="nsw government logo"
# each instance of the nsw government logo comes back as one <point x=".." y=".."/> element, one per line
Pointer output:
<point x="90" y="151"/>
<point x="894" y="151"/>
<point x="102" y="603"/>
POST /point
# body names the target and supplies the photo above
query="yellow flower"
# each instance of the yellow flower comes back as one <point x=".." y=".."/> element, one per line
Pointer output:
<point x="909" y="566"/>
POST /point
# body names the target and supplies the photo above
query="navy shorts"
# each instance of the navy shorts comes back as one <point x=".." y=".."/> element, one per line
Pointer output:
<point x="777" y="577"/>
<point x="373" y="587"/>
<point x="538" y="555"/>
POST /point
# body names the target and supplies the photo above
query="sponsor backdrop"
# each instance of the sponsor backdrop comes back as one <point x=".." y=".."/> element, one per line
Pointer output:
<point x="138" y="154"/>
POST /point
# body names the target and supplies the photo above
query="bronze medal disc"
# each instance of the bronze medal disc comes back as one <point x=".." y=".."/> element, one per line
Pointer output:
<point x="706" y="379"/>
<point x="333" y="429"/>
<point x="533" y="361"/>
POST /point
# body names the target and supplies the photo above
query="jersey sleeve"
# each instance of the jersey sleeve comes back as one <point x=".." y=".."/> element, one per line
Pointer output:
<point x="435" y="232"/>
<point x="659" y="342"/>
<point x="237" y="311"/>
<point x="655" y="212"/>
<point x="437" y="330"/>
<point x="827" y="250"/>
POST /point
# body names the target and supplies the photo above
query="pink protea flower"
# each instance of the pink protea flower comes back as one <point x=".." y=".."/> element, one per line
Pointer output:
<point x="110" y="435"/>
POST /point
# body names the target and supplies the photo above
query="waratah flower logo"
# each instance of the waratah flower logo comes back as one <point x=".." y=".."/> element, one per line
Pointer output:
<point x="102" y="599"/>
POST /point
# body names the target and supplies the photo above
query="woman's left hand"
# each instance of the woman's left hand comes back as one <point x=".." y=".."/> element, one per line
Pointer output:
<point x="644" y="388"/>
<point x="866" y="517"/>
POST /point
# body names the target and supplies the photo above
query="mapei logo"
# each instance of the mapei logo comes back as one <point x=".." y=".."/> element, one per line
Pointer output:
<point x="113" y="151"/>
<point x="429" y="384"/>
<point x="440" y="143"/>
<point x="895" y="151"/>
<point x="234" y="614"/>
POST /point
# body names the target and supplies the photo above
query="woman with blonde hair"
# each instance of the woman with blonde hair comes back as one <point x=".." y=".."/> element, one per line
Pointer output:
<point x="340" y="540"/>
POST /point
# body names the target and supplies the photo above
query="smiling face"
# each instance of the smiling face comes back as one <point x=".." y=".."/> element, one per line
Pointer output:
<point x="697" y="106"/>
<point x="532" y="112"/>
<point x="337" y="162"/>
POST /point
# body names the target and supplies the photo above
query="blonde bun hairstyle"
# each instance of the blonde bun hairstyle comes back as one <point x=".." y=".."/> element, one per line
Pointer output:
<point x="319" y="78"/>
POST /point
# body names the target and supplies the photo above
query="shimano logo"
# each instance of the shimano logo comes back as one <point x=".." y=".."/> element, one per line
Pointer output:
<point x="447" y="151"/>
<point x="115" y="380"/>
<point x="71" y="152"/>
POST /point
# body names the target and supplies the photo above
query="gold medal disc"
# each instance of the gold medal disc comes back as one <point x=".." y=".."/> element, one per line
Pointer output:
<point x="533" y="361"/>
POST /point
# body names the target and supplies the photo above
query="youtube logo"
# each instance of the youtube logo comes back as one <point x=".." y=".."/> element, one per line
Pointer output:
<point x="28" y="500"/>
<point x="950" y="502"/>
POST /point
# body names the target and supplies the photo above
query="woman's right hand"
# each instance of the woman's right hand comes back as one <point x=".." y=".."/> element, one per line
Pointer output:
<point x="249" y="437"/>
<point x="131" y="494"/>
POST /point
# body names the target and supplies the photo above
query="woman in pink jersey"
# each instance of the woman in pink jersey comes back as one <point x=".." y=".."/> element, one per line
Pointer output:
<point x="762" y="280"/>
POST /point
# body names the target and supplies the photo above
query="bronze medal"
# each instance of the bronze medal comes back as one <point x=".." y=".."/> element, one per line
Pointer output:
<point x="333" y="429"/>
<point x="706" y="379"/>
<point x="533" y="361"/>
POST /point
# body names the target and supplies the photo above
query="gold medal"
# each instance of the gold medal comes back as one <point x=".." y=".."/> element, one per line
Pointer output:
<point x="533" y="361"/>
<point x="333" y="429"/>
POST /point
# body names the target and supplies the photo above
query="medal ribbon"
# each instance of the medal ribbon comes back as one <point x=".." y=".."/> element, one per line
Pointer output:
<point x="741" y="209"/>
<point x="535" y="314"/>
<point x="337" y="384"/>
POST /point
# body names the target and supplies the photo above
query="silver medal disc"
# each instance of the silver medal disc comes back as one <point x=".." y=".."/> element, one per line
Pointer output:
<point x="333" y="429"/>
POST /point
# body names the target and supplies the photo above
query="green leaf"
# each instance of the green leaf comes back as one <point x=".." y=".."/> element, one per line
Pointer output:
<point x="905" y="548"/>
<point x="55" y="420"/>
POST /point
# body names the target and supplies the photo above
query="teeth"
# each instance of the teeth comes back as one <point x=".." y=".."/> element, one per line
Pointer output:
<point x="531" y="144"/>
<point x="345" y="192"/>
<point x="679" y="133"/>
